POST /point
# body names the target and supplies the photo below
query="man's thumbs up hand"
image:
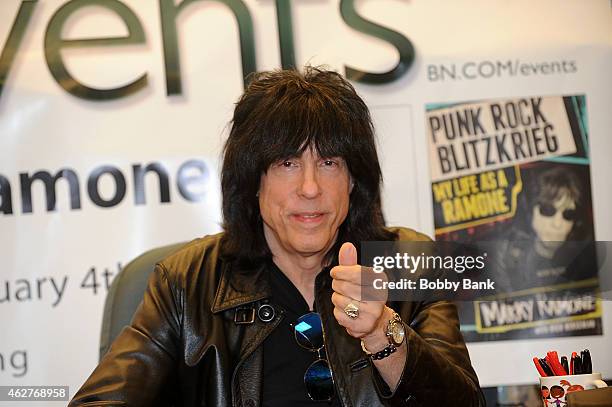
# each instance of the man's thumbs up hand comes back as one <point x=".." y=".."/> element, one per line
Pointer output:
<point x="371" y="316"/>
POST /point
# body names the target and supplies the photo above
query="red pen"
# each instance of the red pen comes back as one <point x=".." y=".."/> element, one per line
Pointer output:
<point x="536" y="362"/>
<point x="553" y="361"/>
<point x="572" y="362"/>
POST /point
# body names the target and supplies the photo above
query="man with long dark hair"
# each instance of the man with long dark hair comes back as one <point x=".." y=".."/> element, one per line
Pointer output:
<point x="549" y="241"/>
<point x="269" y="312"/>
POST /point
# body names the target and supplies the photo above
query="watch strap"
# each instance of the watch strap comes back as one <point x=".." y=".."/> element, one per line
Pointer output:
<point x="387" y="351"/>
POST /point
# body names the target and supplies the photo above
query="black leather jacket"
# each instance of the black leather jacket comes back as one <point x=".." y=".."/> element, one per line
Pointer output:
<point x="194" y="341"/>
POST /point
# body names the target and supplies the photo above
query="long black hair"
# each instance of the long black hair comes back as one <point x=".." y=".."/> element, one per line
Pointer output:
<point x="280" y="114"/>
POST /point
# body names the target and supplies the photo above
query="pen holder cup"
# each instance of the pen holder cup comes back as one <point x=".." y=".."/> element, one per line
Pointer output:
<point x="555" y="388"/>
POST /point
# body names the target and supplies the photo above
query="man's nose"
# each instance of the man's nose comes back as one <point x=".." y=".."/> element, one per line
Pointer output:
<point x="558" y="219"/>
<point x="309" y="186"/>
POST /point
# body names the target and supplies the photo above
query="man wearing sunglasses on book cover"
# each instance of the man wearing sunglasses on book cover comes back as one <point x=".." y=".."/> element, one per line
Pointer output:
<point x="549" y="241"/>
<point x="269" y="312"/>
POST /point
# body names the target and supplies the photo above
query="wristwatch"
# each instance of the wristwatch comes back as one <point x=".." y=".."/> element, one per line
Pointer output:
<point x="395" y="333"/>
<point x="395" y="330"/>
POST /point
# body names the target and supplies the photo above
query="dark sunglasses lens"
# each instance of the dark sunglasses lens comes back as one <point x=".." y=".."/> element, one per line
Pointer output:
<point x="569" y="214"/>
<point x="308" y="331"/>
<point x="318" y="381"/>
<point x="547" y="210"/>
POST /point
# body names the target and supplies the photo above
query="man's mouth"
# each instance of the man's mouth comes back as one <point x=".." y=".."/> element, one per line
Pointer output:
<point x="308" y="217"/>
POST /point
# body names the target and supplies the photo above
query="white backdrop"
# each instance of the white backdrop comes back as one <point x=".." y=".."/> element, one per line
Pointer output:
<point x="44" y="128"/>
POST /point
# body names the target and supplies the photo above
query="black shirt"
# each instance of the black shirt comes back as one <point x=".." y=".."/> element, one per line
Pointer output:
<point x="285" y="361"/>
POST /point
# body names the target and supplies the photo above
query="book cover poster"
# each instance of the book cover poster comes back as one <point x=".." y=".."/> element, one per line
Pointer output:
<point x="515" y="172"/>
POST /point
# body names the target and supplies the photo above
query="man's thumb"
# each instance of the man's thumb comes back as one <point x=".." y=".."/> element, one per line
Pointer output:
<point x="347" y="255"/>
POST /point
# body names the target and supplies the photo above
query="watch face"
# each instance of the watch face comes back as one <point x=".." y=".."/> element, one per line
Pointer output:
<point x="397" y="333"/>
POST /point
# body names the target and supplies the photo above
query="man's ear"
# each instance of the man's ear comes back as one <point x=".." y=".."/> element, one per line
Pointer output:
<point x="351" y="185"/>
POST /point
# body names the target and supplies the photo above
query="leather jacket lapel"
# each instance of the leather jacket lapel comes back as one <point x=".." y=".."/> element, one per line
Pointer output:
<point x="236" y="288"/>
<point x="239" y="286"/>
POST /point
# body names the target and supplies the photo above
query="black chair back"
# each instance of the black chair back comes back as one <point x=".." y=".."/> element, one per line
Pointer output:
<point x="126" y="292"/>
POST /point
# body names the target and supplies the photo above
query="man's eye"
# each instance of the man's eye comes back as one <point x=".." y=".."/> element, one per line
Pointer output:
<point x="287" y="164"/>
<point x="330" y="163"/>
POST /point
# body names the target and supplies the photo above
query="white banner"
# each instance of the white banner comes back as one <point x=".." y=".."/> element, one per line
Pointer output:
<point x="113" y="115"/>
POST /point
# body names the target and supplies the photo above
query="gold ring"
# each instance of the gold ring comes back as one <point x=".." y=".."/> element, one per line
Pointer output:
<point x="351" y="310"/>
